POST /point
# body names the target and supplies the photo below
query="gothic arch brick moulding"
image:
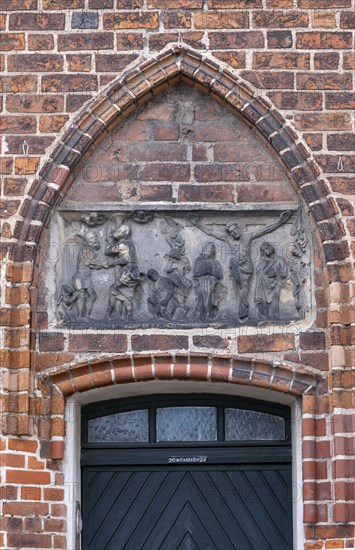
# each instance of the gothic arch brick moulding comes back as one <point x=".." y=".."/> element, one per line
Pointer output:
<point x="299" y="363"/>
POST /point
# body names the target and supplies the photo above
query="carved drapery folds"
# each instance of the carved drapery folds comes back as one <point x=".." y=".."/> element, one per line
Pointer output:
<point x="180" y="268"/>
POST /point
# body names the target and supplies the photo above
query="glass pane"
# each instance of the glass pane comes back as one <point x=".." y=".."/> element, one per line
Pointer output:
<point x="187" y="424"/>
<point x="250" y="425"/>
<point x="121" y="427"/>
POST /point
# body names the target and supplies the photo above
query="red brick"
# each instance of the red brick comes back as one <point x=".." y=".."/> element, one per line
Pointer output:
<point x="14" y="186"/>
<point x="299" y="101"/>
<point x="69" y="83"/>
<point x="210" y="341"/>
<point x="175" y="4"/>
<point x="323" y="20"/>
<point x="129" y="41"/>
<point x="349" y="61"/>
<point x="38" y="42"/>
<point x="177" y="19"/>
<point x="270" y="79"/>
<point x="265" y="343"/>
<point x="27" y="103"/>
<point x="341" y="142"/>
<point x="312" y="340"/>
<point x="347" y="20"/>
<point x="233" y="4"/>
<point x="12" y="460"/>
<point x="280" y="19"/>
<point x="133" y="20"/>
<point x="281" y="60"/>
<point x="323" y="121"/>
<point x="8" y="208"/>
<point x="165" y="172"/>
<point x="29" y="540"/>
<point x="162" y="192"/>
<point x="26" y="165"/>
<point x="53" y="494"/>
<point x="279" y="39"/>
<point x="221" y="20"/>
<point x="236" y="40"/>
<point x="206" y="193"/>
<point x="28" y="478"/>
<point x="52" y="123"/>
<point x="18" y="84"/>
<point x="314" y="427"/>
<point x="54" y="525"/>
<point x="25" y="445"/>
<point x="63" y="4"/>
<point x="51" y="341"/>
<point x="98" y="342"/>
<point x="323" y="40"/>
<point x="79" y="63"/>
<point x="18" y="5"/>
<point x="326" y="60"/>
<point x="158" y="342"/>
<point x="323" y="81"/>
<point x="37" y="21"/>
<point x="234" y="59"/>
<point x="86" y="41"/>
<point x="35" y="62"/>
<point x="29" y="492"/>
<point x="340" y="100"/>
<point x="12" y="41"/>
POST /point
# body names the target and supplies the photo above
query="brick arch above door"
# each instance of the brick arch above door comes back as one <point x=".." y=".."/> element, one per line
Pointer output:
<point x="111" y="109"/>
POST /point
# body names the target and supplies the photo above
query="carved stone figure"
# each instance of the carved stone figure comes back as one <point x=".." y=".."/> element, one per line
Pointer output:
<point x="207" y="272"/>
<point x="271" y="270"/>
<point x="298" y="275"/>
<point x="67" y="303"/>
<point x="82" y="280"/>
<point x="93" y="219"/>
<point x="241" y="265"/>
<point x="123" y="289"/>
<point x="161" y="302"/>
<point x="177" y="267"/>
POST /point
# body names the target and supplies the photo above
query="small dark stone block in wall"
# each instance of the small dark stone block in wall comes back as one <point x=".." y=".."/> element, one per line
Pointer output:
<point x="85" y="20"/>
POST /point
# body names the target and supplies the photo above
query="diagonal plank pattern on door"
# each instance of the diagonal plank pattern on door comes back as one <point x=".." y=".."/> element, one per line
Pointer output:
<point x="195" y="508"/>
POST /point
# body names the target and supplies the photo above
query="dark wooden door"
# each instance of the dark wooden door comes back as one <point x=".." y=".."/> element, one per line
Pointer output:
<point x="187" y="507"/>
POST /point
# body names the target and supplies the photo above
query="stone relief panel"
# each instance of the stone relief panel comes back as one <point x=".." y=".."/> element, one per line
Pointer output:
<point x="180" y="267"/>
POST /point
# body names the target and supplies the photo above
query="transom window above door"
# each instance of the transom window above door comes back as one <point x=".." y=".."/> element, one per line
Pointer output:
<point x="185" y="419"/>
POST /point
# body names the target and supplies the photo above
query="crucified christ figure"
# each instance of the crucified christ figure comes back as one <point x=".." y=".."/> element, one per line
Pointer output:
<point x="239" y="242"/>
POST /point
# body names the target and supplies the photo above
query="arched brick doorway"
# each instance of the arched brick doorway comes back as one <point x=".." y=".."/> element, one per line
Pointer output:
<point x="69" y="157"/>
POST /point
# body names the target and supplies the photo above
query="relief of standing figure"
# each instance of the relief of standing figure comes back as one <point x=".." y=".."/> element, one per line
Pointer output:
<point x="271" y="270"/>
<point x="207" y="272"/>
<point x="239" y="242"/>
<point x="82" y="280"/>
<point x="122" y="291"/>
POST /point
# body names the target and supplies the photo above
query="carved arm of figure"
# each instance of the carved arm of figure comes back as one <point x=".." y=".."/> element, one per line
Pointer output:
<point x="195" y="220"/>
<point x="285" y="216"/>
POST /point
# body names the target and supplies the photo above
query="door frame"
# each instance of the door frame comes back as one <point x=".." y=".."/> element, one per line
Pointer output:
<point x="71" y="462"/>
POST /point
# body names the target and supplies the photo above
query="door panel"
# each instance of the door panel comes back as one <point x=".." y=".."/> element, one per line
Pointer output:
<point x="214" y="507"/>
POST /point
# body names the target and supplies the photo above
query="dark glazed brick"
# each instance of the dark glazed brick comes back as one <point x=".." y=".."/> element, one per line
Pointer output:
<point x="159" y="342"/>
<point x="85" y="20"/>
<point x="51" y="341"/>
<point x="210" y="342"/>
<point x="98" y="343"/>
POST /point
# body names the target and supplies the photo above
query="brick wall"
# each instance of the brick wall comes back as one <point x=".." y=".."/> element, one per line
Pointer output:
<point x="56" y="58"/>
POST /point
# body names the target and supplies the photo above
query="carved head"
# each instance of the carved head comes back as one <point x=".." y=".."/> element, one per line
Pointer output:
<point x="152" y="275"/>
<point x="92" y="240"/>
<point x="267" y="249"/>
<point x="121" y="233"/>
<point x="209" y="250"/>
<point x="233" y="229"/>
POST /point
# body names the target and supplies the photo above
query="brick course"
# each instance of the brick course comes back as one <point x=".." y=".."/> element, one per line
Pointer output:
<point x="295" y="54"/>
